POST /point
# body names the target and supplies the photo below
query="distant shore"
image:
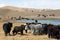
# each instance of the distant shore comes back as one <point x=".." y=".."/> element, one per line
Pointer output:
<point x="33" y="19"/>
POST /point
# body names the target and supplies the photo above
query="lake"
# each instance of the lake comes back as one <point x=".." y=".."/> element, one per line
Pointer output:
<point x="41" y="21"/>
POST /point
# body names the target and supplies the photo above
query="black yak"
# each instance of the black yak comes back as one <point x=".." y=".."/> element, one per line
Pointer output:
<point x="19" y="29"/>
<point x="54" y="31"/>
<point x="7" y="28"/>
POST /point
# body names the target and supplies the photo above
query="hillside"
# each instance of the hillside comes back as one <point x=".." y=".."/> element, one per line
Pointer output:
<point x="26" y="12"/>
<point x="14" y="11"/>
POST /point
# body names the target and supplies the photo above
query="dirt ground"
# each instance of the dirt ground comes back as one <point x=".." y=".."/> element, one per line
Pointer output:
<point x="26" y="36"/>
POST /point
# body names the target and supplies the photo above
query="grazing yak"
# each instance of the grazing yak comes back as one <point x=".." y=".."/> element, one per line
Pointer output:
<point x="40" y="28"/>
<point x="35" y="28"/>
<point x="7" y="28"/>
<point x="54" y="31"/>
<point x="19" y="29"/>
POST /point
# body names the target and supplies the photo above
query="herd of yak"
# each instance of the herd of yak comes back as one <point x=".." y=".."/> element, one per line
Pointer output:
<point x="36" y="28"/>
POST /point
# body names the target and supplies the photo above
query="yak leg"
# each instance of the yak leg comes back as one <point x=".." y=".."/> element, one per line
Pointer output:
<point x="14" y="32"/>
<point x="6" y="33"/>
<point x="49" y="34"/>
<point x="33" y="31"/>
<point x="21" y="32"/>
<point x="9" y="33"/>
<point x="26" y="31"/>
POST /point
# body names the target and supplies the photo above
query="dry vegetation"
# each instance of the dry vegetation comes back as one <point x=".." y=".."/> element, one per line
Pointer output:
<point x="27" y="36"/>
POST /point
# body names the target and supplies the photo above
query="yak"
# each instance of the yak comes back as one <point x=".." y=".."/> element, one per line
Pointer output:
<point x="7" y="28"/>
<point x="19" y="29"/>
<point x="54" y="31"/>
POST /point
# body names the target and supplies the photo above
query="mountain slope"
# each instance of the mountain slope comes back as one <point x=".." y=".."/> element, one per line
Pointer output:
<point x="15" y="11"/>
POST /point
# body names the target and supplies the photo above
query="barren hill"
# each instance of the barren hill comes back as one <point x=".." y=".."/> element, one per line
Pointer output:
<point x="15" y="11"/>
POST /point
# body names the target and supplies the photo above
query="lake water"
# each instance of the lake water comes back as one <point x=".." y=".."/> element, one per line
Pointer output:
<point x="41" y="21"/>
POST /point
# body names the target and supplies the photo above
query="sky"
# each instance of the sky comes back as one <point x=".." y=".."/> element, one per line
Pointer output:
<point x="38" y="4"/>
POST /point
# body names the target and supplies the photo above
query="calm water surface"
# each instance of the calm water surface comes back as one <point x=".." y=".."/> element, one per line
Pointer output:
<point x="41" y="21"/>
